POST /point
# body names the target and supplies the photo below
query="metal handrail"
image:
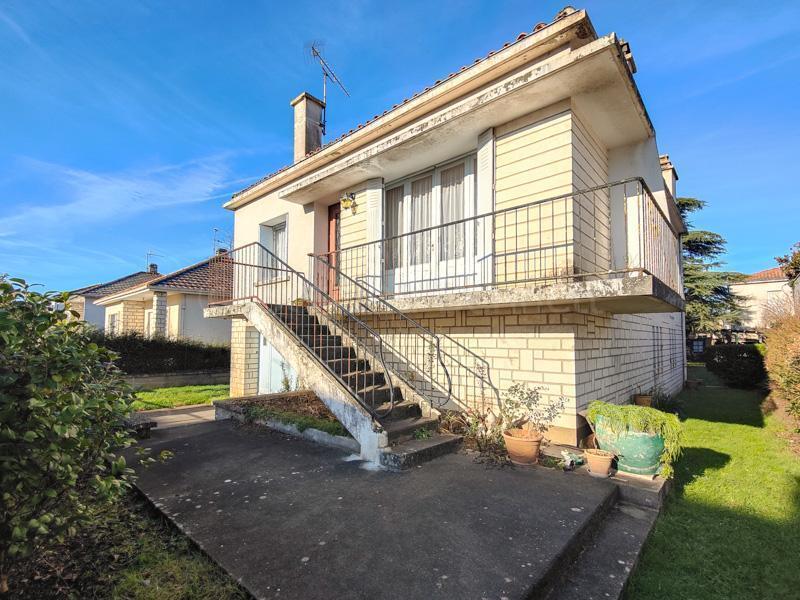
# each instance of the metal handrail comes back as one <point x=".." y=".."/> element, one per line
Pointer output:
<point x="371" y="295"/>
<point x="509" y="246"/>
<point x="320" y="300"/>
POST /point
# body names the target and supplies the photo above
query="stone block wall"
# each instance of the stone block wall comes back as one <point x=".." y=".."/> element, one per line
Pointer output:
<point x="244" y="358"/>
<point x="133" y="317"/>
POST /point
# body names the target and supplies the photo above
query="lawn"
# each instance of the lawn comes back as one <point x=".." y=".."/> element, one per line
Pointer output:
<point x="731" y="529"/>
<point x="171" y="397"/>
<point x="126" y="551"/>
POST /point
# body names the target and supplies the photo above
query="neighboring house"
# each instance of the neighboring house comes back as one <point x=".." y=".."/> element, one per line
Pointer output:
<point x="168" y="305"/>
<point x="761" y="291"/>
<point x="513" y="222"/>
<point x="84" y="300"/>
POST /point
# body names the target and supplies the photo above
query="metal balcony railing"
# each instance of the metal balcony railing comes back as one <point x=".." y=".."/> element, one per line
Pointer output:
<point x="609" y="231"/>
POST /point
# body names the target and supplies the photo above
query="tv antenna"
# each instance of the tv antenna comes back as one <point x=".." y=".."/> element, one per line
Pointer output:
<point x="148" y="257"/>
<point x="315" y="50"/>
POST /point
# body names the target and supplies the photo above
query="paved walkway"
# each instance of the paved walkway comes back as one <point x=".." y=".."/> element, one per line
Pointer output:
<point x="184" y="415"/>
<point x="291" y="519"/>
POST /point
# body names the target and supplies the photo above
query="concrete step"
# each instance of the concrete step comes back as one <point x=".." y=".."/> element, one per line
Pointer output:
<point x="400" y="430"/>
<point x="331" y="352"/>
<point x="412" y="453"/>
<point x="343" y="366"/>
<point x="360" y="380"/>
<point x="601" y="571"/>
<point x="402" y="410"/>
<point x="319" y="341"/>
<point x="310" y="329"/>
<point x="376" y="395"/>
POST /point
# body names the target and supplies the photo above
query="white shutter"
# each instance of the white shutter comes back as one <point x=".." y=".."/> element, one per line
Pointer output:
<point x="374" y="232"/>
<point x="485" y="204"/>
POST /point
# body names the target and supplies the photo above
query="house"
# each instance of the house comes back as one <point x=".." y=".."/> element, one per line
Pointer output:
<point x="761" y="292"/>
<point x="167" y="305"/>
<point x="512" y="222"/>
<point x="84" y="300"/>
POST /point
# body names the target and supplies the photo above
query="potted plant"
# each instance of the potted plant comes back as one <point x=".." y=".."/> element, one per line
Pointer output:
<point x="645" y="441"/>
<point x="524" y="421"/>
<point x="599" y="461"/>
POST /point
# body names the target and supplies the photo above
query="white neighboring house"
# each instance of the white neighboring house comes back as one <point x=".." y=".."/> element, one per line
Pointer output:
<point x="761" y="290"/>
<point x="167" y="305"/>
<point x="84" y="300"/>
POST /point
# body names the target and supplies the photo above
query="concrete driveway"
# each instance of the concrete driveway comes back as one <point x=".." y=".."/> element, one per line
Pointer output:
<point x="290" y="519"/>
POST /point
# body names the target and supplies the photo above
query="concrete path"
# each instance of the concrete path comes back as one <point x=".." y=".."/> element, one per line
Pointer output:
<point x="183" y="415"/>
<point x="290" y="519"/>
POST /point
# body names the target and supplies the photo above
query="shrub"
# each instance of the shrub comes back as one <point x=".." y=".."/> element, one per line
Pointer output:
<point x="783" y="362"/>
<point x="739" y="365"/>
<point x="138" y="354"/>
<point x="61" y="406"/>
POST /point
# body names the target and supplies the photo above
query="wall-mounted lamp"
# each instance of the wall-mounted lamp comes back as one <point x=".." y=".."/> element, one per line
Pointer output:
<point x="349" y="201"/>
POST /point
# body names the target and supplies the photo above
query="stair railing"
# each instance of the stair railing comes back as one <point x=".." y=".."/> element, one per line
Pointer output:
<point x="437" y="366"/>
<point x="323" y="326"/>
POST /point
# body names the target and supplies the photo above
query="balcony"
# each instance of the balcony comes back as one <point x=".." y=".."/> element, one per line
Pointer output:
<point x="611" y="245"/>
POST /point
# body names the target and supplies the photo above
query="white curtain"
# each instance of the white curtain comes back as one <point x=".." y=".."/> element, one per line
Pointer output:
<point x="421" y="190"/>
<point x="394" y="215"/>
<point x="451" y="242"/>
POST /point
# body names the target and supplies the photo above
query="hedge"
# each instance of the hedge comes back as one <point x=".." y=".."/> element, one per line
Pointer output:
<point x="739" y="365"/>
<point x="140" y="355"/>
<point x="783" y="362"/>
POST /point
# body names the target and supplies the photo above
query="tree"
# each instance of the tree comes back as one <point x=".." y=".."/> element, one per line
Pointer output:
<point x="790" y="263"/>
<point x="709" y="298"/>
<point x="62" y="403"/>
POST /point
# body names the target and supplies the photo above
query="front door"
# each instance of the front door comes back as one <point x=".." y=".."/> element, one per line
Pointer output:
<point x="334" y="245"/>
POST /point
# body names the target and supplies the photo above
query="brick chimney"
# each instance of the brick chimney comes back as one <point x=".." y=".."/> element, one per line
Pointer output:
<point x="153" y="268"/>
<point x="307" y="124"/>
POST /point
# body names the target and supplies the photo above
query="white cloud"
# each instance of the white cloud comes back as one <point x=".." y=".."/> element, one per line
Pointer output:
<point x="93" y="199"/>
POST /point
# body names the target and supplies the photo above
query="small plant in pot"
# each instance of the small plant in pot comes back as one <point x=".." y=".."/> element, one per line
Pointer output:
<point x="599" y="461"/>
<point x="645" y="441"/>
<point x="525" y="418"/>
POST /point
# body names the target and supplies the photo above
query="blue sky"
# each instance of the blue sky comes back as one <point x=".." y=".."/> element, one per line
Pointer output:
<point x="125" y="125"/>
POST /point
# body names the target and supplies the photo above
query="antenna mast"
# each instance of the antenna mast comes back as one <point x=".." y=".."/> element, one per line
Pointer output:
<point x="327" y="73"/>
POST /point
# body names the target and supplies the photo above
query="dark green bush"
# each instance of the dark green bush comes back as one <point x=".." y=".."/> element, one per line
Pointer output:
<point x="62" y="403"/>
<point x="138" y="355"/>
<point x="739" y="365"/>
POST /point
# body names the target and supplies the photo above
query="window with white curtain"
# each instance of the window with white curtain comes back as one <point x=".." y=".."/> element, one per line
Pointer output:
<point x="431" y="199"/>
<point x="393" y="220"/>
<point x="451" y="238"/>
<point x="421" y="205"/>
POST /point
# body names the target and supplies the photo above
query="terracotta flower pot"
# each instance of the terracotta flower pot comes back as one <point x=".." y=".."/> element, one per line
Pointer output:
<point x="523" y="446"/>
<point x="599" y="461"/>
<point x="643" y="399"/>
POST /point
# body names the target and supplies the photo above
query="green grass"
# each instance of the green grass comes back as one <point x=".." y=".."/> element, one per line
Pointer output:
<point x="731" y="529"/>
<point x="302" y="422"/>
<point x="171" y="397"/>
<point x="127" y="552"/>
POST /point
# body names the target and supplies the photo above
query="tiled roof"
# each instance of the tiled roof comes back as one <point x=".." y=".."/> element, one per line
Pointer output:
<point x="566" y="11"/>
<point x="196" y="277"/>
<point x="117" y="285"/>
<point x="773" y="274"/>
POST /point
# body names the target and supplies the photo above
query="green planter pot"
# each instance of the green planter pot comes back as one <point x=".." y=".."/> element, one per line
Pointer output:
<point x="637" y="452"/>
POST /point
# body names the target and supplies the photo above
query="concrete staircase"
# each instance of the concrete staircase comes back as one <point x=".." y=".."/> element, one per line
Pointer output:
<point x="412" y="437"/>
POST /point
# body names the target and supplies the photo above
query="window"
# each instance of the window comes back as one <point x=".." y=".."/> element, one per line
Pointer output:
<point x="451" y="239"/>
<point x="394" y="216"/>
<point x="113" y="322"/>
<point x="279" y="248"/>
<point x="430" y="201"/>
<point x="421" y="192"/>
